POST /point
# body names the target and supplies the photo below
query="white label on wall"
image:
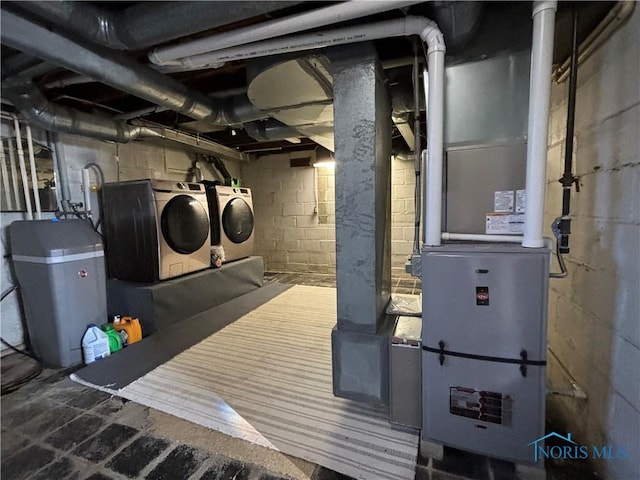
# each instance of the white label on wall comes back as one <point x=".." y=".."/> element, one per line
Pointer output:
<point x="503" y="201"/>
<point x="504" y="224"/>
<point x="521" y="200"/>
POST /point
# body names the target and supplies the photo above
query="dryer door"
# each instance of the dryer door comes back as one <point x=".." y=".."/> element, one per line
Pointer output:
<point x="185" y="224"/>
<point x="237" y="220"/>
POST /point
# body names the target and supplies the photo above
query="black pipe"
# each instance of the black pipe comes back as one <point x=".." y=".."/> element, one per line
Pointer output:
<point x="568" y="179"/>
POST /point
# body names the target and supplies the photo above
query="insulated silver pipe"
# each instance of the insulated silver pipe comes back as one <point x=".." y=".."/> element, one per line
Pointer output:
<point x="147" y="23"/>
<point x="37" y="110"/>
<point x="105" y="66"/>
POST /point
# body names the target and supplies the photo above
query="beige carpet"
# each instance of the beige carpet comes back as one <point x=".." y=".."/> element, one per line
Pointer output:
<point x="272" y="367"/>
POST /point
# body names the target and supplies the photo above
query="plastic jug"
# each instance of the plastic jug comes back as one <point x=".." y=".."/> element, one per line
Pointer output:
<point x="129" y="325"/>
<point x="95" y="344"/>
<point x="115" y="343"/>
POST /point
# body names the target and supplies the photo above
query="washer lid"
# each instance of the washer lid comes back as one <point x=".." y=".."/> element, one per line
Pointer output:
<point x="237" y="220"/>
<point x="185" y="224"/>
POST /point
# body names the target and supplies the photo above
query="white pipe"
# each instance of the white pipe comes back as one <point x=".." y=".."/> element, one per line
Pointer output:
<point x="14" y="174"/>
<point x="537" y="135"/>
<point x="473" y="237"/>
<point x="5" y="177"/>
<point x="86" y="190"/>
<point x="308" y="41"/>
<point x="332" y="14"/>
<point x="435" y="139"/>
<point x="34" y="174"/>
<point x="23" y="169"/>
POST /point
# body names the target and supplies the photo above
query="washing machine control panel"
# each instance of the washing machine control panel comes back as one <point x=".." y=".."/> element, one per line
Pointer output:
<point x="193" y="187"/>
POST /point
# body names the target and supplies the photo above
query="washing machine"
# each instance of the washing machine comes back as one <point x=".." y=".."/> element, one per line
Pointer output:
<point x="236" y="222"/>
<point x="155" y="229"/>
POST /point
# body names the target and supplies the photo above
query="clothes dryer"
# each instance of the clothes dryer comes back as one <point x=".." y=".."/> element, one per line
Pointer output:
<point x="236" y="222"/>
<point x="155" y="229"/>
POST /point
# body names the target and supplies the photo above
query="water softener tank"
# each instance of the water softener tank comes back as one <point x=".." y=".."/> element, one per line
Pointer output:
<point x="60" y="268"/>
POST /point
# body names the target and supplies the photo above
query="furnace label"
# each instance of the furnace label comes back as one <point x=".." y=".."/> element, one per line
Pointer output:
<point x="481" y="405"/>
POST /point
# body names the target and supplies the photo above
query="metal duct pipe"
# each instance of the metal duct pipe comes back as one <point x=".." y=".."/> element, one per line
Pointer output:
<point x="544" y="14"/>
<point x="332" y="14"/>
<point x="107" y="67"/>
<point x="17" y="63"/>
<point x="37" y="110"/>
<point x="238" y="109"/>
<point x="270" y="130"/>
<point x="147" y="23"/>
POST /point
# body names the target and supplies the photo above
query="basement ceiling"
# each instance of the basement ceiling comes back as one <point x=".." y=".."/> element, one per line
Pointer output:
<point x="294" y="91"/>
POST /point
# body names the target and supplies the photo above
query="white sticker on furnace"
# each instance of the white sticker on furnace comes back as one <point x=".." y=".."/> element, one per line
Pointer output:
<point x="521" y="200"/>
<point x="503" y="201"/>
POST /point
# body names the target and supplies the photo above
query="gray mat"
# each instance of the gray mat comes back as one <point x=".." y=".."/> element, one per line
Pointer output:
<point x="120" y="369"/>
<point x="162" y="304"/>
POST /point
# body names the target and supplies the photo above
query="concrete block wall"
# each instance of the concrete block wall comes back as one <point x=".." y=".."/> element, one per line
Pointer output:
<point x="403" y="182"/>
<point x="292" y="238"/>
<point x="594" y="314"/>
<point x="294" y="214"/>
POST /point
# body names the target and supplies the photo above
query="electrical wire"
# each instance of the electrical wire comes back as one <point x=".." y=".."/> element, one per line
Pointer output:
<point x="23" y="380"/>
<point x="563" y="268"/>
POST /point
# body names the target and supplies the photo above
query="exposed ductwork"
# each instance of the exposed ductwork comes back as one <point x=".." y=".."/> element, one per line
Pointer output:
<point x="105" y="66"/>
<point x="147" y="23"/>
<point x="37" y="110"/>
<point x="118" y="71"/>
<point x="271" y="129"/>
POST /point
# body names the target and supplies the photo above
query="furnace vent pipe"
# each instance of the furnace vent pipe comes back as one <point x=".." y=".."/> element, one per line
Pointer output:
<point x="321" y="17"/>
<point x="308" y="41"/>
<point x="434" y="92"/>
<point x="537" y="135"/>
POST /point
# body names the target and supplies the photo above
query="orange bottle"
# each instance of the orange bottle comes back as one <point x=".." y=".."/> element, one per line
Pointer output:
<point x="131" y="326"/>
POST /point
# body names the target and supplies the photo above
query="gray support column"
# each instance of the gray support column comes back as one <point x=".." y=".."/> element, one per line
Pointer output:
<point x="362" y="131"/>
